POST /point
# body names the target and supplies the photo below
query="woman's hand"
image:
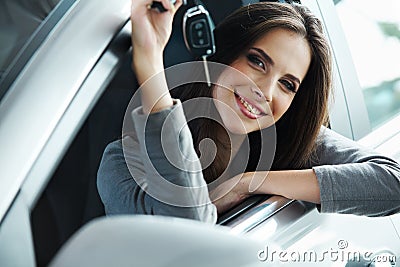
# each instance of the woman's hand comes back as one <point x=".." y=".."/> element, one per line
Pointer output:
<point x="230" y="193"/>
<point x="292" y="184"/>
<point x="151" y="29"/>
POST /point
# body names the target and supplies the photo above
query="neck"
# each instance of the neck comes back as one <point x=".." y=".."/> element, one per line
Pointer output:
<point x="236" y="142"/>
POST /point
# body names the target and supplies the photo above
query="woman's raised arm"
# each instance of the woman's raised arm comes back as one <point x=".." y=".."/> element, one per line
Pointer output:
<point x="151" y="30"/>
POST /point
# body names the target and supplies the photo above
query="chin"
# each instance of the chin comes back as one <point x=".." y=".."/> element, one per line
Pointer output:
<point x="237" y="130"/>
<point x="246" y="129"/>
<point x="235" y="127"/>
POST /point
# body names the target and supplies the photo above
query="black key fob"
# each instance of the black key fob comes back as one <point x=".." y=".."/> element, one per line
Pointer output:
<point x="158" y="5"/>
<point x="198" y="31"/>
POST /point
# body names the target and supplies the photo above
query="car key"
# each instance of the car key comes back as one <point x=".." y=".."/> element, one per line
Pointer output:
<point x="158" y="5"/>
<point x="198" y="34"/>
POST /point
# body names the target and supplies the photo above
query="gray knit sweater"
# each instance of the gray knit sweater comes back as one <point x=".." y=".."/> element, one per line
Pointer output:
<point x="352" y="179"/>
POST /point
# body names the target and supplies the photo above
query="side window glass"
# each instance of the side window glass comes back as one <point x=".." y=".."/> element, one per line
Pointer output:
<point x="372" y="30"/>
<point x="18" y="21"/>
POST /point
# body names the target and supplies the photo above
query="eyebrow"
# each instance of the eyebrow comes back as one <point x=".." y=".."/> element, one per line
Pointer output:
<point x="264" y="55"/>
<point x="294" y="78"/>
<point x="271" y="62"/>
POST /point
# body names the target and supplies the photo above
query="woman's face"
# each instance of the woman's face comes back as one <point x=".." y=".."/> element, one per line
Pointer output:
<point x="276" y="65"/>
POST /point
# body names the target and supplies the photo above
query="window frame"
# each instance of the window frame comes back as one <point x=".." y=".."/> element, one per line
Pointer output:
<point x="34" y="124"/>
<point x="32" y="45"/>
<point x="348" y="114"/>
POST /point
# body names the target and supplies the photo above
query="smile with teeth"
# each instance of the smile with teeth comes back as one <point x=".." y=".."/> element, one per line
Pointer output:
<point x="249" y="107"/>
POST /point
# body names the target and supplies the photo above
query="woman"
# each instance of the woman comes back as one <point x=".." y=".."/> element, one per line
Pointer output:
<point x="279" y="78"/>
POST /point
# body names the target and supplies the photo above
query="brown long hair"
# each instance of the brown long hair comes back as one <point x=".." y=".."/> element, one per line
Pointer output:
<point x="298" y="128"/>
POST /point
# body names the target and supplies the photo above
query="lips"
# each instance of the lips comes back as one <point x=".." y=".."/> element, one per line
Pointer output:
<point x="248" y="108"/>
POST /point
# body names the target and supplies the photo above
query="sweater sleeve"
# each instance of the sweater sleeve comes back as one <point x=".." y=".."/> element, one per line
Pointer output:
<point x="354" y="179"/>
<point x="155" y="170"/>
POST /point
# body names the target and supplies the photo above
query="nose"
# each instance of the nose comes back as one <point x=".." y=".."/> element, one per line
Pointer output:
<point x="258" y="95"/>
<point x="264" y="92"/>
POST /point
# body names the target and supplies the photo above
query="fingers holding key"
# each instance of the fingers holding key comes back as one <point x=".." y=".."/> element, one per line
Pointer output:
<point x="163" y="6"/>
<point x="151" y="26"/>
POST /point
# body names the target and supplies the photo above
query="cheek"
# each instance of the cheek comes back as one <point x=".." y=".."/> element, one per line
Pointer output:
<point x="235" y="74"/>
<point x="281" y="105"/>
<point x="222" y="101"/>
<point x="220" y="93"/>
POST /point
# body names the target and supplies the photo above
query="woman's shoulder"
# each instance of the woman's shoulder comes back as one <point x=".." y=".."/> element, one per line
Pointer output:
<point x="122" y="145"/>
<point x="328" y="138"/>
<point x="113" y="153"/>
<point x="115" y="145"/>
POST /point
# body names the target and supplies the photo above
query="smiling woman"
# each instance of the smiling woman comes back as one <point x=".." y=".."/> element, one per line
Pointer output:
<point x="274" y="72"/>
<point x="276" y="80"/>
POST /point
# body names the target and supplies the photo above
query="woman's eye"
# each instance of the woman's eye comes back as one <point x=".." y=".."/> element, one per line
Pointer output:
<point x="256" y="61"/>
<point x="288" y="85"/>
